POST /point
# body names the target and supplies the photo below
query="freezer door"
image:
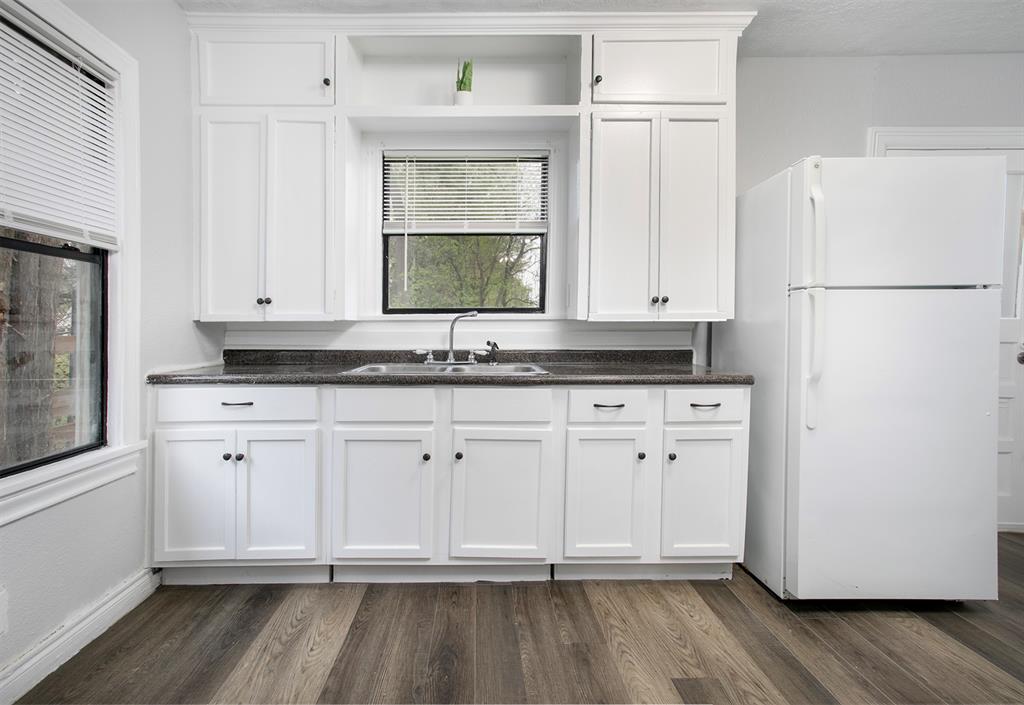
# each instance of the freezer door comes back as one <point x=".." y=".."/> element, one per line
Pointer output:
<point x="871" y="222"/>
<point x="891" y="468"/>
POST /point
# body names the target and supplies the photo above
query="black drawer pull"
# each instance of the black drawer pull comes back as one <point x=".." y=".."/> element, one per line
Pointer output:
<point x="706" y="406"/>
<point x="226" y="456"/>
<point x="609" y="406"/>
<point x="237" y="403"/>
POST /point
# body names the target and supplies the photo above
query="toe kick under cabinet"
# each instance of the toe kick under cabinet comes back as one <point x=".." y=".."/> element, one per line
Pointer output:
<point x="392" y="476"/>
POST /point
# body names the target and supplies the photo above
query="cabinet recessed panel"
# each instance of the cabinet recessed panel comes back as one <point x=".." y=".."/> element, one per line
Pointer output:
<point x="656" y="69"/>
<point x="690" y="203"/>
<point x="231" y="202"/>
<point x="300" y="199"/>
<point x="624" y="207"/>
<point x="383" y="493"/>
<point x="498" y="493"/>
<point x="702" y="493"/>
<point x="194" y="513"/>
<point x="604" y="493"/>
<point x="277" y="494"/>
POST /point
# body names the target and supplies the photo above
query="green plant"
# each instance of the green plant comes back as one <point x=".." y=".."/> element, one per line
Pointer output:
<point x="464" y="76"/>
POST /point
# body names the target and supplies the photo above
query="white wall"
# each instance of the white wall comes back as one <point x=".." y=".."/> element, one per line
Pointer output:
<point x="788" y="108"/>
<point x="154" y="32"/>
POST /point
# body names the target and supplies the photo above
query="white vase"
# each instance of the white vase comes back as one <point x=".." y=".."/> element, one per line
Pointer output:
<point x="463" y="97"/>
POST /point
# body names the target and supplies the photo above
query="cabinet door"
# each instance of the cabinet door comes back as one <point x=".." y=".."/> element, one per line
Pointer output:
<point x="624" y="217"/>
<point x="300" y="198"/>
<point x="702" y="492"/>
<point x="194" y="495"/>
<point x="696" y="249"/>
<point x="604" y="492"/>
<point x="231" y="202"/>
<point x="266" y="68"/>
<point x="276" y="498"/>
<point x="383" y="493"/>
<point x="501" y="493"/>
<point x="656" y="68"/>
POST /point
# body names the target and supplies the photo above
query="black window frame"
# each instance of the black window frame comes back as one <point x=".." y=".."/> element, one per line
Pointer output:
<point x="388" y="310"/>
<point x="99" y="256"/>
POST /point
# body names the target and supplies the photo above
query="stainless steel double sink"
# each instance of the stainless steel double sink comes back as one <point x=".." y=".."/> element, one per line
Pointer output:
<point x="455" y="370"/>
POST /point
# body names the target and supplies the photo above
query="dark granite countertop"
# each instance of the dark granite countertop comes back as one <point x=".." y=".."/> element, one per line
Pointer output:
<point x="565" y="367"/>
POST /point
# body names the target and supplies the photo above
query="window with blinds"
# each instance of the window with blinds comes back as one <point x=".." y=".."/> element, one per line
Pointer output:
<point x="57" y="143"/>
<point x="465" y="231"/>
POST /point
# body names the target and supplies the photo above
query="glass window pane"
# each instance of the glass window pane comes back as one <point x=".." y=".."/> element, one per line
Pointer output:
<point x="462" y="272"/>
<point x="51" y="350"/>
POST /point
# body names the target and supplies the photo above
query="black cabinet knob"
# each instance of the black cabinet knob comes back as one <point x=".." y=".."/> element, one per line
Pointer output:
<point x="654" y="299"/>
<point x="269" y="301"/>
<point x="642" y="455"/>
<point x="426" y="456"/>
<point x="259" y="301"/>
<point x="239" y="456"/>
<point x="226" y="456"/>
<point x="671" y="456"/>
<point x="458" y="456"/>
<point x="664" y="300"/>
<point x="327" y="81"/>
<point x="598" y="78"/>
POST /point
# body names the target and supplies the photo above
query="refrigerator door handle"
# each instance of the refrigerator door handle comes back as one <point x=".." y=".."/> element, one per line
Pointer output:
<point x="818" y="207"/>
<point x="816" y="299"/>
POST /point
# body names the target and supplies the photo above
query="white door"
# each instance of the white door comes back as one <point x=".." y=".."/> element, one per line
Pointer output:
<point x="702" y="492"/>
<point x="1011" y="341"/>
<point x="300" y="198"/>
<point x="624" y="217"/>
<point x="266" y="68"/>
<point x="696" y="231"/>
<point x="276" y="498"/>
<point x="383" y="493"/>
<point x="501" y="493"/>
<point x="892" y="471"/>
<point x="231" y="206"/>
<point x="899" y="222"/>
<point x="649" y="67"/>
<point x="194" y="495"/>
<point x="604" y="491"/>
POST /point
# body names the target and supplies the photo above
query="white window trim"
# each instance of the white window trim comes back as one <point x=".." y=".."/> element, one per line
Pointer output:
<point x="50" y="483"/>
<point x="369" y="269"/>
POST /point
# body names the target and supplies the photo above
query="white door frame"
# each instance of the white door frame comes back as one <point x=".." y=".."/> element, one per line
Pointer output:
<point x="880" y="140"/>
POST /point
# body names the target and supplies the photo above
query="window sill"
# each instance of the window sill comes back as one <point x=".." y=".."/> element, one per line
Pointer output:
<point x="35" y="490"/>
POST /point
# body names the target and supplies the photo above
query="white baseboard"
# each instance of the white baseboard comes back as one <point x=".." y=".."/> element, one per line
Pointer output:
<point x="690" y="571"/>
<point x="247" y="575"/>
<point x="1015" y="527"/>
<point x="46" y="656"/>
<point x="440" y="573"/>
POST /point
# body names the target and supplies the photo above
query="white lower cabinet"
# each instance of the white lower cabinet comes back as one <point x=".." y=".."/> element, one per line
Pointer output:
<point x="383" y="493"/>
<point x="501" y="498"/>
<point x="225" y="494"/>
<point x="604" y="492"/>
<point x="703" y="492"/>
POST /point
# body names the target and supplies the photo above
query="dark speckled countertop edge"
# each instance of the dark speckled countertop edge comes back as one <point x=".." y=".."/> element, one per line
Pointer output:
<point x="577" y="367"/>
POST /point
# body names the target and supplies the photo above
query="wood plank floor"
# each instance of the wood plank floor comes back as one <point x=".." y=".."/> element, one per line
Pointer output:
<point x="564" y="642"/>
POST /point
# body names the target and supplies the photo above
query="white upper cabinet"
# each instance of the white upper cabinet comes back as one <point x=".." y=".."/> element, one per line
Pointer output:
<point x="632" y="67"/>
<point x="662" y="232"/>
<point x="266" y="216"/>
<point x="266" y="68"/>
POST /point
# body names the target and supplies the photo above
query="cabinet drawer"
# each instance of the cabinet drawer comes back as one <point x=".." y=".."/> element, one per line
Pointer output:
<point x="231" y="403"/>
<point x="493" y="404"/>
<point x="607" y="405"/>
<point x="705" y="404"/>
<point x="384" y="404"/>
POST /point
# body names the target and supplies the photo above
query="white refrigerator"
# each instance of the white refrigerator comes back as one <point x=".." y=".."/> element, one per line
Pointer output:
<point x="868" y="310"/>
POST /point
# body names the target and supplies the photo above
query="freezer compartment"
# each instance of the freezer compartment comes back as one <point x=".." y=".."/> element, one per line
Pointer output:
<point x="891" y="467"/>
<point x="898" y="221"/>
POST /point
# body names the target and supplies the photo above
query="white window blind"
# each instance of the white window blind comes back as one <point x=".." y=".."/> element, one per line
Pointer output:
<point x="492" y="192"/>
<point x="57" y="143"/>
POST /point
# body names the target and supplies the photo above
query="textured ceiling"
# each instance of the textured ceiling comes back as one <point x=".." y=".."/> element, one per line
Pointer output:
<point x="782" y="28"/>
